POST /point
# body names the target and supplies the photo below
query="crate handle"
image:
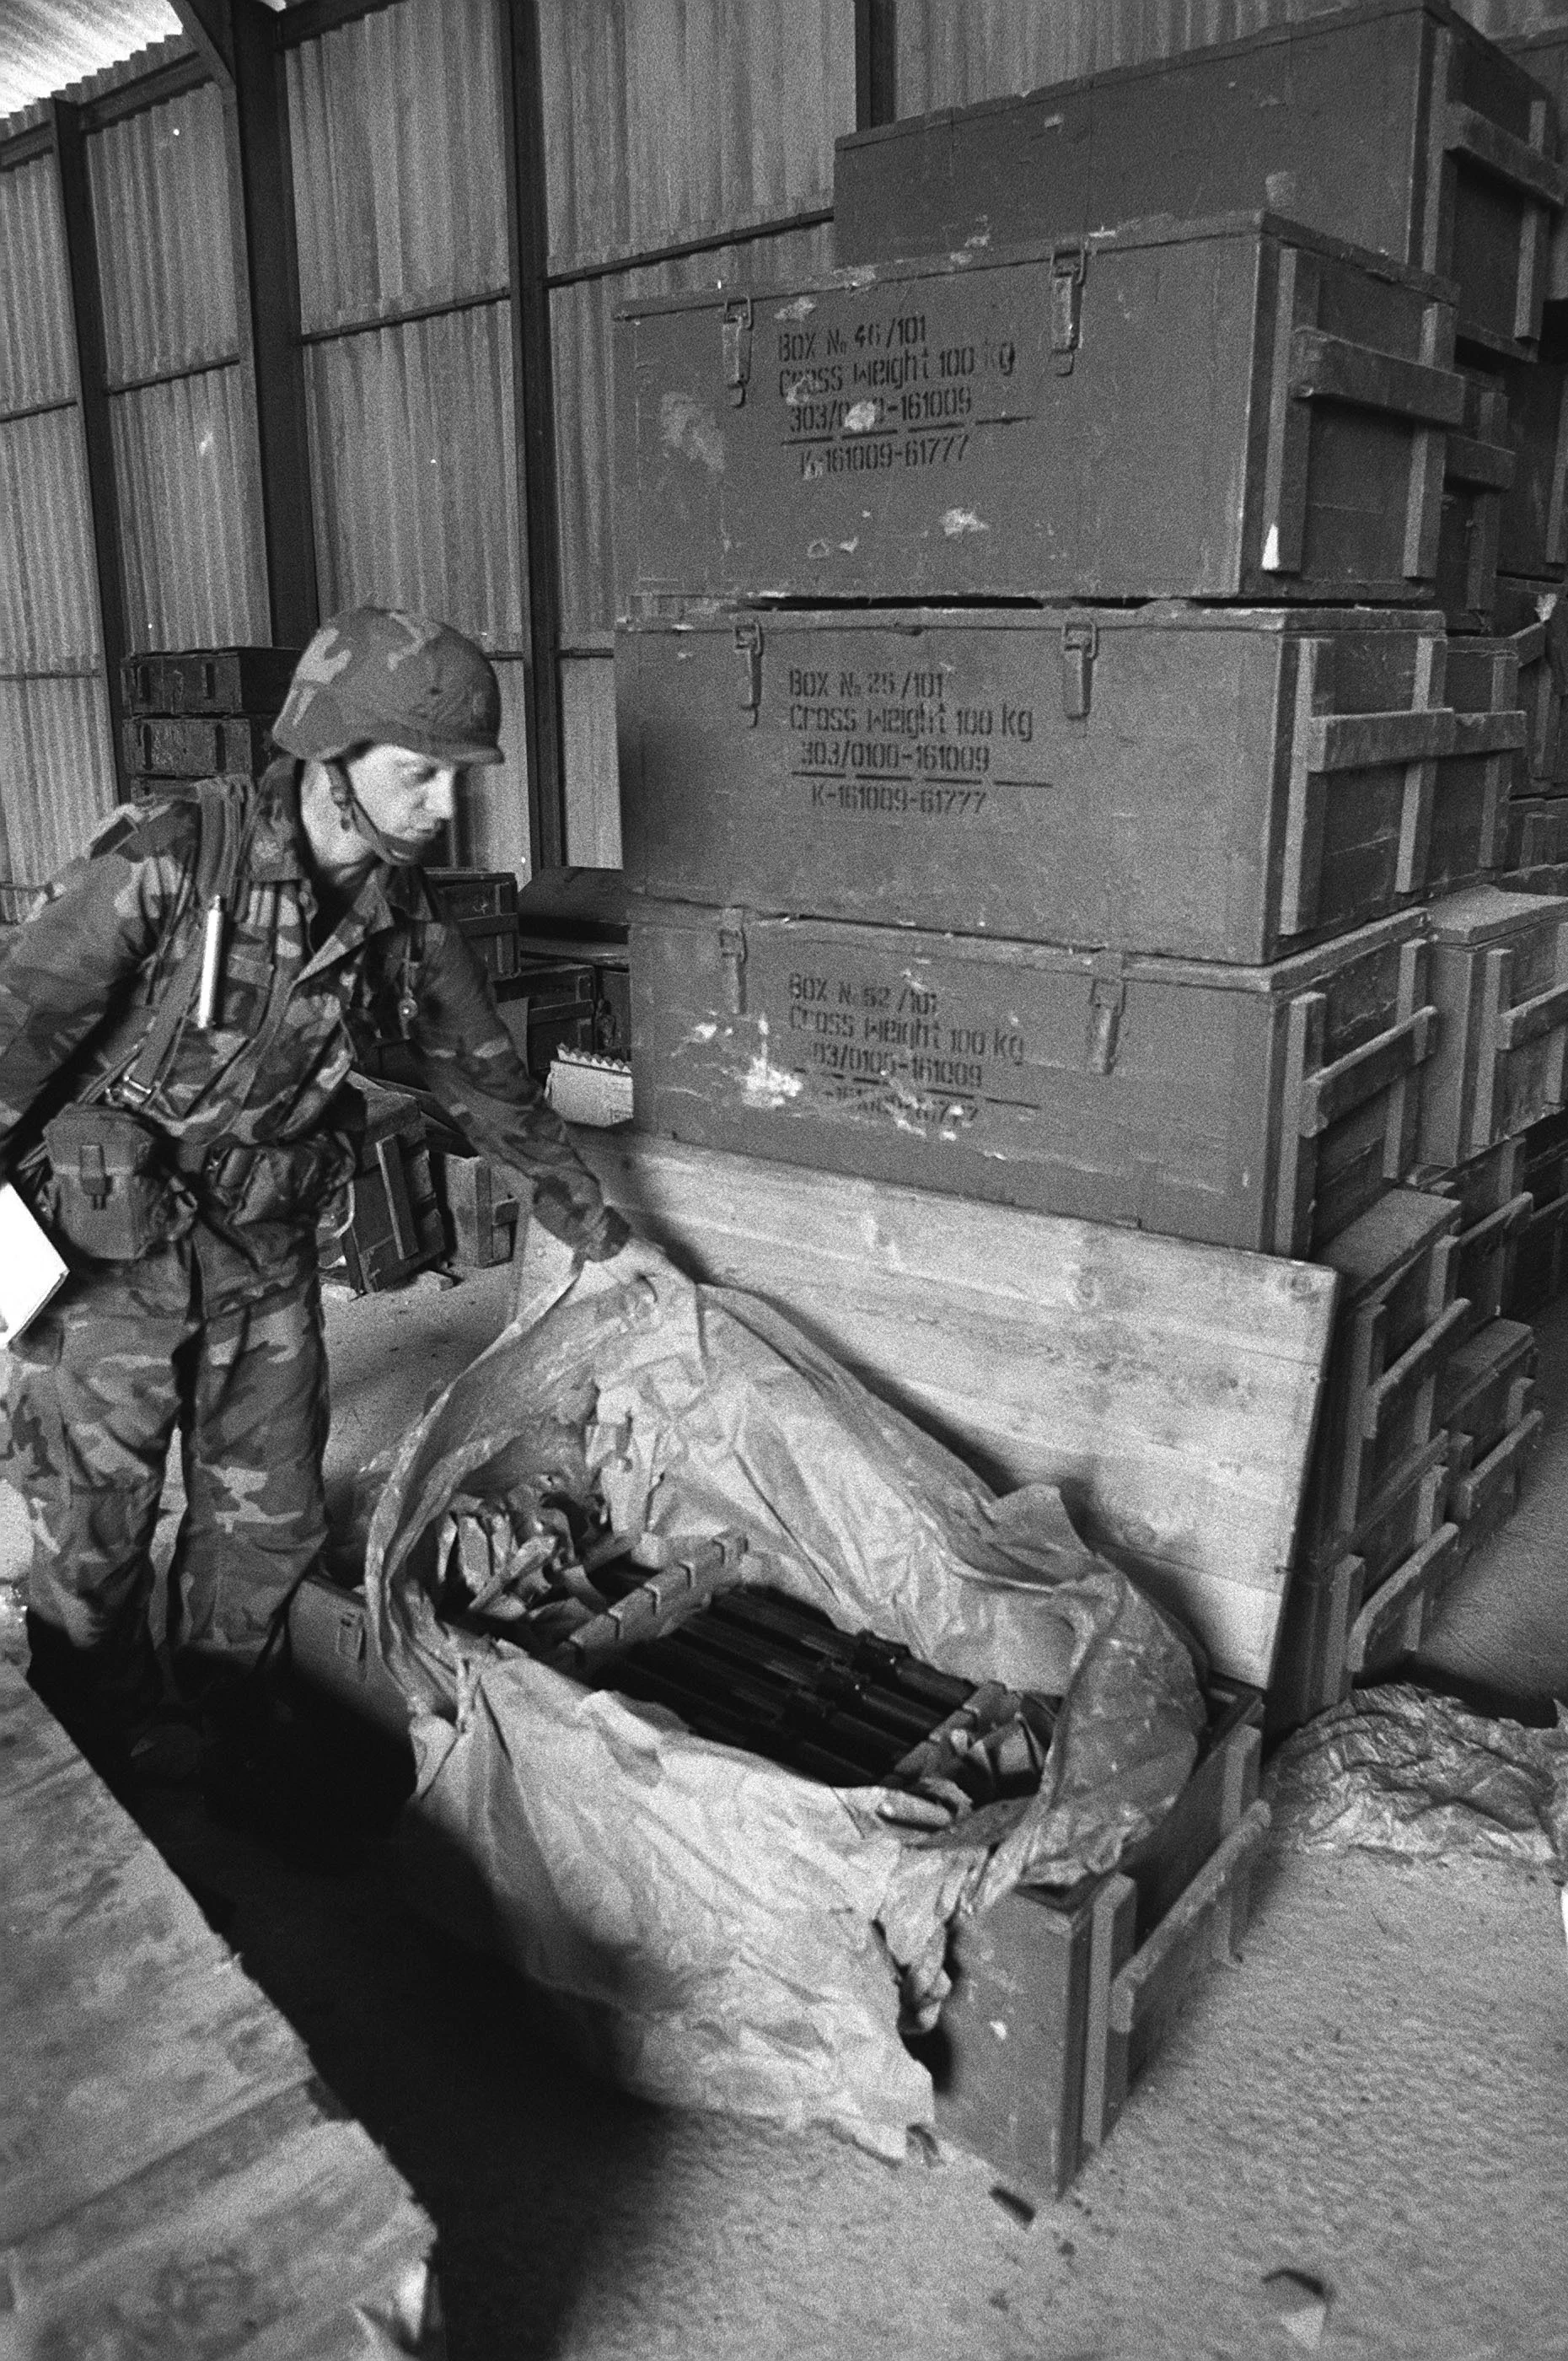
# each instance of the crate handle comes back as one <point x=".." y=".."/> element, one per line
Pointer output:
<point x="1504" y="1219"/>
<point x="1471" y="134"/>
<point x="404" y="1236"/>
<point x="1333" y="1090"/>
<point x="1143" y="1984"/>
<point x="1330" y="369"/>
<point x="1407" y="1594"/>
<point x="1532" y="1018"/>
<point x="1412" y="1367"/>
<point x="1358" y="742"/>
<point x="1489" y="733"/>
<point x="1475" y="1491"/>
<point x="735" y="337"/>
<point x="1487" y="467"/>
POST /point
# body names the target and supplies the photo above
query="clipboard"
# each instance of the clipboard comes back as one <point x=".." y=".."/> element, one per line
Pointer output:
<point x="30" y="1268"/>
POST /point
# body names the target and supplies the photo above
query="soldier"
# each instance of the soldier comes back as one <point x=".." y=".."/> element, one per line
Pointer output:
<point x="187" y="1200"/>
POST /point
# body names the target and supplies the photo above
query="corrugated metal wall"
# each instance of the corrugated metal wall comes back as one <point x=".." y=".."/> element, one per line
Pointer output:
<point x="400" y="198"/>
<point x="666" y="120"/>
<point x="56" y="764"/>
<point x="184" y="451"/>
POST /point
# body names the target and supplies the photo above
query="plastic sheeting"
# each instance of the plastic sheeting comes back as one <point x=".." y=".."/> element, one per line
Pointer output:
<point x="722" y="1933"/>
<point x="1396" y="1770"/>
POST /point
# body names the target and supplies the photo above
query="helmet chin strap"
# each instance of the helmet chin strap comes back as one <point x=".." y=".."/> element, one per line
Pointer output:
<point x="398" y="849"/>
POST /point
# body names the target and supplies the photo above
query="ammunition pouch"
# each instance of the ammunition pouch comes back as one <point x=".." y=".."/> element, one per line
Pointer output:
<point x="239" y="1184"/>
<point x="111" y="1190"/>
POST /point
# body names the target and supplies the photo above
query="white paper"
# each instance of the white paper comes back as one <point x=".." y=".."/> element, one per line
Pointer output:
<point x="31" y="1269"/>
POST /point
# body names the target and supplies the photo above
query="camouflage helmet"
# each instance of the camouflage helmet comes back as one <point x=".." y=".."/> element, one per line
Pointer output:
<point x="373" y="676"/>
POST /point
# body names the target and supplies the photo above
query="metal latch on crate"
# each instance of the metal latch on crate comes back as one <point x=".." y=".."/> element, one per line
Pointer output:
<point x="1107" y="1000"/>
<point x="1068" y="265"/>
<point x="736" y="336"/>
<point x="749" y="648"/>
<point x="1079" y="646"/>
<point x="732" y="959"/>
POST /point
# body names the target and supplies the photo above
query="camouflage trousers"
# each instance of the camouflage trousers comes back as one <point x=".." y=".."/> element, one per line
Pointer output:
<point x="127" y="1355"/>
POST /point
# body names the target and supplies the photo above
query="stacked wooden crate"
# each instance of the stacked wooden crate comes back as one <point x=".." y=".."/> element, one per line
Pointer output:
<point x="195" y="713"/>
<point x="1069" y="719"/>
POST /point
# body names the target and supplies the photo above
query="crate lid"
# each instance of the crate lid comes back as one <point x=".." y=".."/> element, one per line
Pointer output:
<point x="802" y="293"/>
<point x="1278" y="980"/>
<point x="663" y="616"/>
<point x="1487" y="914"/>
<point x="588" y="904"/>
<point x="1381" y="1244"/>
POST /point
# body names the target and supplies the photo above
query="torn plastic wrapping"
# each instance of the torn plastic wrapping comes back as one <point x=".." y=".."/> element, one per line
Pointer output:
<point x="1395" y="1770"/>
<point x="724" y="1933"/>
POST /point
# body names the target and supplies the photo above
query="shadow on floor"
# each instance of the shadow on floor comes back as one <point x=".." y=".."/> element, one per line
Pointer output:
<point x="448" y="2060"/>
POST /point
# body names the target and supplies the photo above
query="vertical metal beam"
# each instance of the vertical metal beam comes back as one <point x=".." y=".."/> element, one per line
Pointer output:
<point x="534" y="379"/>
<point x="876" y="63"/>
<point x="206" y="22"/>
<point x="92" y="377"/>
<point x="272" y="361"/>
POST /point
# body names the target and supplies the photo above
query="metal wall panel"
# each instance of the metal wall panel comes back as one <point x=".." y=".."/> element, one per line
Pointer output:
<point x="49" y="590"/>
<point x="415" y="462"/>
<point x="492" y="806"/>
<point x="56" y="771"/>
<point x="667" y="119"/>
<point x="584" y="346"/>
<point x="37" y="351"/>
<point x="161" y="212"/>
<point x="400" y="178"/>
<point x="588" y="732"/>
<point x="194" y="575"/>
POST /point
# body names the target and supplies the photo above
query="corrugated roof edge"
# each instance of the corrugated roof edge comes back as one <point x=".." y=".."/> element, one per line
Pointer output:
<point x="115" y="77"/>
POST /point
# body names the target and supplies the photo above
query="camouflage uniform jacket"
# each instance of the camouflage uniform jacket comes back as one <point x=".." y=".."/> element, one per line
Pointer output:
<point x="78" y="981"/>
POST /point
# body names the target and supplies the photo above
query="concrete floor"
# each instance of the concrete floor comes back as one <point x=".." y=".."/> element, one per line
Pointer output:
<point x="1377" y="2100"/>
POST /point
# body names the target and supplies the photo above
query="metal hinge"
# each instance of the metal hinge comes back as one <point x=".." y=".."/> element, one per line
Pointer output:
<point x="1067" y="266"/>
<point x="1079" y="646"/>
<point x="732" y="957"/>
<point x="749" y="647"/>
<point x="736" y="333"/>
<point x="1107" y="999"/>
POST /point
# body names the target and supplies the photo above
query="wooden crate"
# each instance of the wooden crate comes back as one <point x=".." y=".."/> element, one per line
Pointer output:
<point x="195" y="747"/>
<point x="1479" y="466"/>
<point x="1485" y="1491"/>
<point x="1535" y="839"/>
<point x="1252" y="1106"/>
<point x="330" y="1652"/>
<point x="1539" y="1272"/>
<point x="1398" y="126"/>
<point x="547" y="1005"/>
<point x="1398" y="1317"/>
<point x="1533" y="615"/>
<point x="1169" y="1390"/>
<point x="1236" y="409"/>
<point x="1060" y="1998"/>
<point x="1208" y="783"/>
<point x="1544" y="57"/>
<point x="481" y="1217"/>
<point x="1499" y="982"/>
<point x="174" y="2179"/>
<point x="1485" y="1388"/>
<point x="209" y="680"/>
<point x="1352" y="1613"/>
<point x="481" y="904"/>
<point x="394" y="1226"/>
